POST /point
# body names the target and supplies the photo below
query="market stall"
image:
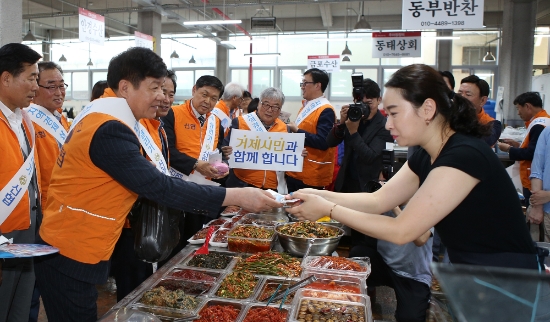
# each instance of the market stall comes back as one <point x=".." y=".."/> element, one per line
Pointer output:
<point x="247" y="275"/>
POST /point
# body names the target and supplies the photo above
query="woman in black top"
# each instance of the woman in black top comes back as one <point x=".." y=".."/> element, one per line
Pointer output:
<point x="455" y="182"/>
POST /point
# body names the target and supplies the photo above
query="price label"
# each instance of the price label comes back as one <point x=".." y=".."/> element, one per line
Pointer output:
<point x="91" y="27"/>
<point x="143" y="40"/>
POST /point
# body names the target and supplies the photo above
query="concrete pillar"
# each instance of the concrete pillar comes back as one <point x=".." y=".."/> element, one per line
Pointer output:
<point x="46" y="46"/>
<point x="516" y="54"/>
<point x="150" y="23"/>
<point x="444" y="50"/>
<point x="222" y="59"/>
<point x="11" y="21"/>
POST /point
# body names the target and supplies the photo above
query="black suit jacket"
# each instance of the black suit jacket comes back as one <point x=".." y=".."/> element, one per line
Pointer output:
<point x="367" y="146"/>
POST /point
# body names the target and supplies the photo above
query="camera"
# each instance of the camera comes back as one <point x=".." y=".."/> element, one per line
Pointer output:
<point x="358" y="109"/>
<point x="388" y="159"/>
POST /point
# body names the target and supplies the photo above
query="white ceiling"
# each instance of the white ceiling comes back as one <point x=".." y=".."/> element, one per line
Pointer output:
<point x="51" y="16"/>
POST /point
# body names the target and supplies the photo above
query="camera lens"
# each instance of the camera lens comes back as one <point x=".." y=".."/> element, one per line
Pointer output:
<point x="354" y="113"/>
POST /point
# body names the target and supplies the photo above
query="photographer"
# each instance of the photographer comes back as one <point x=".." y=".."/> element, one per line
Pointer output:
<point x="364" y="136"/>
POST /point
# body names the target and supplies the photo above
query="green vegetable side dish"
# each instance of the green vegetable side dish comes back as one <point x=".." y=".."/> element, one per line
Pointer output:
<point x="237" y="285"/>
<point x="270" y="263"/>
<point x="307" y="229"/>
<point x="212" y="260"/>
<point x="159" y="296"/>
<point x="252" y="232"/>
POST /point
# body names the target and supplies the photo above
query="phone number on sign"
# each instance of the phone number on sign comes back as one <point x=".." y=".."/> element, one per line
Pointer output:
<point x="442" y="23"/>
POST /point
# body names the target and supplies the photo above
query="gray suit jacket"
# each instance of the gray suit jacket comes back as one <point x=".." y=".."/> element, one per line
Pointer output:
<point x="367" y="146"/>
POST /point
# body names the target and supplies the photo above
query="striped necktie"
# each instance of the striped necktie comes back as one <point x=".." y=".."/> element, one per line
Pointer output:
<point x="201" y="119"/>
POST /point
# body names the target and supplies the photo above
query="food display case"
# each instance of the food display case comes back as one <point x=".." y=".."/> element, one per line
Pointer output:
<point x="203" y="277"/>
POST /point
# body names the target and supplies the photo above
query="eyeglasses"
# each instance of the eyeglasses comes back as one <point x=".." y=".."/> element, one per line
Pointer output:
<point x="303" y="84"/>
<point x="53" y="88"/>
<point x="274" y="108"/>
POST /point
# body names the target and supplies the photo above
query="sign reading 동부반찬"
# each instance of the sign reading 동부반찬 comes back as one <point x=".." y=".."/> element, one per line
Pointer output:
<point x="143" y="40"/>
<point x="442" y="14"/>
<point x="91" y="27"/>
<point x="396" y="44"/>
<point x="275" y="151"/>
<point x="328" y="63"/>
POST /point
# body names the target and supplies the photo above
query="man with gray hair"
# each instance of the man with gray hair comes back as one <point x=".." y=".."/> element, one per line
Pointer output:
<point x="228" y="106"/>
<point x="269" y="108"/>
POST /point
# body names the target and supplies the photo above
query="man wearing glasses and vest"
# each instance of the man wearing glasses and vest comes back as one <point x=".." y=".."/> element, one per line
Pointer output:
<point x="19" y="187"/>
<point x="315" y="119"/>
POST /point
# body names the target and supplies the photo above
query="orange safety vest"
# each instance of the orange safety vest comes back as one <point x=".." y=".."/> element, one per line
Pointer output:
<point x="86" y="207"/>
<point x="12" y="160"/>
<point x="483" y="117"/>
<point x="47" y="149"/>
<point x="525" y="165"/>
<point x="152" y="126"/>
<point x="222" y="106"/>
<point x="318" y="165"/>
<point x="188" y="131"/>
<point x="260" y="178"/>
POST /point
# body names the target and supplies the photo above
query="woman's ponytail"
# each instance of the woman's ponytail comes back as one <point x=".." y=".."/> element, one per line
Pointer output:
<point x="462" y="118"/>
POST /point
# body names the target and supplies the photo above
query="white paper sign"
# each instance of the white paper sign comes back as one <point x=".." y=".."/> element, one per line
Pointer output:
<point x="442" y="14"/>
<point x="143" y="40"/>
<point x="91" y="27"/>
<point x="328" y="63"/>
<point x="396" y="44"/>
<point x="276" y="151"/>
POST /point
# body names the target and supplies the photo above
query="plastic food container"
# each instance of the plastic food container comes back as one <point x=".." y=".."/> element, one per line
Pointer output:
<point x="305" y="308"/>
<point x="263" y="220"/>
<point x="230" y="211"/>
<point x="322" y="265"/>
<point x="336" y="283"/>
<point x="195" y="275"/>
<point x="200" y="236"/>
<point x="194" y="288"/>
<point x="219" y="238"/>
<point x="217" y="291"/>
<point x="216" y="222"/>
<point x="284" y="311"/>
<point x="250" y="245"/>
<point x="269" y="285"/>
<point x="228" y="257"/>
<point x="212" y="302"/>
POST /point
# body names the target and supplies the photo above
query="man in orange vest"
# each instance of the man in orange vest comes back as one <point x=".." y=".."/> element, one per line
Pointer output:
<point x="19" y="188"/>
<point x="228" y="107"/>
<point x="315" y="119"/>
<point x="476" y="90"/>
<point x="529" y="107"/>
<point x="98" y="176"/>
<point x="51" y="129"/>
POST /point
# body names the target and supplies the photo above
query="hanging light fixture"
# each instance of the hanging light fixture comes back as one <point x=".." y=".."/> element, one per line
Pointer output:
<point x="29" y="36"/>
<point x="346" y="51"/>
<point x="192" y="60"/>
<point x="489" y="57"/>
<point x="346" y="58"/>
<point x="90" y="63"/>
<point x="62" y="58"/>
<point x="362" y="24"/>
<point x="174" y="55"/>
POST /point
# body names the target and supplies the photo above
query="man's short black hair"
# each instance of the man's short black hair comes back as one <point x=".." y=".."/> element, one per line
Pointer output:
<point x="170" y="74"/>
<point x="253" y="106"/>
<point x="480" y="83"/>
<point x="48" y="65"/>
<point x="13" y="57"/>
<point x="318" y="76"/>
<point x="371" y="88"/>
<point x="212" y="81"/>
<point x="532" y="98"/>
<point x="134" y="65"/>
<point x="450" y="76"/>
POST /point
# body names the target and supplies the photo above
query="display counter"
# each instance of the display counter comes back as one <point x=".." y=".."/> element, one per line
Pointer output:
<point x="224" y="286"/>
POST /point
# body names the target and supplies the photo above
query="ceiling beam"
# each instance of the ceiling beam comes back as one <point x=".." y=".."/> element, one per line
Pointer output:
<point x="326" y="14"/>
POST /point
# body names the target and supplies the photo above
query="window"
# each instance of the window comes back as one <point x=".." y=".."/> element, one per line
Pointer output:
<point x="290" y="82"/>
<point x="79" y="86"/>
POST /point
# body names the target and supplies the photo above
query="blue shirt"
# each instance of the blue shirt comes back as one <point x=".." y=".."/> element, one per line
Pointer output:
<point x="541" y="161"/>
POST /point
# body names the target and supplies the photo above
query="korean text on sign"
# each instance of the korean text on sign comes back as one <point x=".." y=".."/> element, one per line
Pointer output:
<point x="396" y="44"/>
<point x="267" y="150"/>
<point x="442" y="14"/>
<point x="328" y="63"/>
<point x="91" y="27"/>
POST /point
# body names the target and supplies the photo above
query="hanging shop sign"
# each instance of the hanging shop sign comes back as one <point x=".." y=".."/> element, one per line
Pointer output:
<point x="442" y="14"/>
<point x="328" y="63"/>
<point x="91" y="27"/>
<point x="396" y="44"/>
<point x="143" y="40"/>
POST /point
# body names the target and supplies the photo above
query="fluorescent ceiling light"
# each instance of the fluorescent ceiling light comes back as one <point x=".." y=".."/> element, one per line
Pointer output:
<point x="244" y="40"/>
<point x="442" y="37"/>
<point x="542" y="36"/>
<point x="264" y="54"/>
<point x="212" y="22"/>
<point x="337" y="39"/>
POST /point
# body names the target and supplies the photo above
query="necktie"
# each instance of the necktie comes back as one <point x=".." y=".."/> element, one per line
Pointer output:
<point x="201" y="119"/>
